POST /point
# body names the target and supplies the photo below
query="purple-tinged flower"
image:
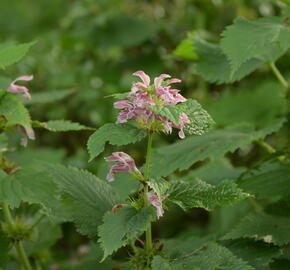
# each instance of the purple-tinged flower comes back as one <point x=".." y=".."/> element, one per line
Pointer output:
<point x="183" y="119"/>
<point x="28" y="133"/>
<point x="125" y="163"/>
<point x="139" y="85"/>
<point x="156" y="201"/>
<point x="14" y="88"/>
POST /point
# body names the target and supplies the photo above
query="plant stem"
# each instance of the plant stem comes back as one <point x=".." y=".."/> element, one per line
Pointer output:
<point x="37" y="222"/>
<point x="23" y="259"/>
<point x="278" y="75"/>
<point x="148" y="243"/>
<point x="267" y="147"/>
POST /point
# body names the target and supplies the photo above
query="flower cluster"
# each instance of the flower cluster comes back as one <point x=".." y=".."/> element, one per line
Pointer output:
<point x="14" y="88"/>
<point x="143" y="95"/>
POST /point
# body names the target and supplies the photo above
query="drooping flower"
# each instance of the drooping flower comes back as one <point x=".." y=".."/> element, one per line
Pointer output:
<point x="139" y="102"/>
<point x="27" y="133"/>
<point x="14" y="88"/>
<point x="156" y="201"/>
<point x="124" y="163"/>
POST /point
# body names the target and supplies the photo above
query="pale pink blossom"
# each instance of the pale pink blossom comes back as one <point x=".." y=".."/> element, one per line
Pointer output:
<point x="156" y="201"/>
<point x="183" y="119"/>
<point x="124" y="163"/>
<point x="14" y="88"/>
<point x="27" y="133"/>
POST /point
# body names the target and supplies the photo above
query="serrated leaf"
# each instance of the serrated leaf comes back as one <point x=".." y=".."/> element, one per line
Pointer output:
<point x="159" y="185"/>
<point x="33" y="187"/>
<point x="257" y="253"/>
<point x="123" y="226"/>
<point x="200" y="120"/>
<point x="260" y="226"/>
<point x="245" y="40"/>
<point x="49" y="96"/>
<point x="115" y="134"/>
<point x="186" y="49"/>
<point x="14" y="111"/>
<point x="86" y="198"/>
<point x="270" y="180"/>
<point x="202" y="195"/>
<point x="213" y="65"/>
<point x="11" y="54"/>
<point x="214" y="144"/>
<point x="63" y="125"/>
<point x="210" y="256"/>
<point x="159" y="263"/>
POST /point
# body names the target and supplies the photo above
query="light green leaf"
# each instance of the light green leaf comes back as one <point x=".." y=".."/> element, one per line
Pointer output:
<point x="160" y="263"/>
<point x="11" y="54"/>
<point x="115" y="134"/>
<point x="123" y="226"/>
<point x="49" y="96"/>
<point x="215" y="144"/>
<point x="159" y="185"/>
<point x="186" y="49"/>
<point x="63" y="125"/>
<point x="262" y="38"/>
<point x="85" y="197"/>
<point x="202" y="195"/>
<point x="260" y="226"/>
<point x="213" y="65"/>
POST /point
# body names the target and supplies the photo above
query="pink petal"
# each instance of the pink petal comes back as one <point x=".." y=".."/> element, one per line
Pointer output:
<point x="23" y="78"/>
<point x="174" y="80"/>
<point x="181" y="134"/>
<point x="160" y="79"/>
<point x="143" y="76"/>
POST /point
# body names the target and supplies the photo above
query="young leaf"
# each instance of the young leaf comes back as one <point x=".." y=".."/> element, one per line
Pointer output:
<point x="200" y="194"/>
<point x="63" y="125"/>
<point x="10" y="54"/>
<point x="213" y="65"/>
<point x="159" y="185"/>
<point x="123" y="226"/>
<point x="260" y="226"/>
<point x="215" y="144"/>
<point x="267" y="38"/>
<point x="186" y="49"/>
<point x="115" y="134"/>
<point x="85" y="197"/>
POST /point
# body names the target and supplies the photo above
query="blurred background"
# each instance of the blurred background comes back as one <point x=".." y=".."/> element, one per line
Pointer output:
<point x="87" y="50"/>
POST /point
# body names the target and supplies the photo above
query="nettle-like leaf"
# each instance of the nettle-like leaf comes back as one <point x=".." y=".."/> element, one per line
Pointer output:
<point x="200" y="120"/>
<point x="123" y="226"/>
<point x="4" y="248"/>
<point x="159" y="185"/>
<point x="115" y="134"/>
<point x="33" y="187"/>
<point x="270" y="180"/>
<point x="62" y="126"/>
<point x="257" y="253"/>
<point x="186" y="49"/>
<point x="215" y="144"/>
<point x="49" y="96"/>
<point x="86" y="198"/>
<point x="200" y="194"/>
<point x="261" y="226"/>
<point x="213" y="65"/>
<point x="160" y="263"/>
<point x="209" y="256"/>
<point x="266" y="38"/>
<point x="14" y="111"/>
<point x="10" y="54"/>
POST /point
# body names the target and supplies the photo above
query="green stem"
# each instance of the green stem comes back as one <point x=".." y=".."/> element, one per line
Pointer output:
<point x="278" y="75"/>
<point x="267" y="147"/>
<point x="37" y="222"/>
<point x="23" y="259"/>
<point x="148" y="243"/>
<point x="22" y="255"/>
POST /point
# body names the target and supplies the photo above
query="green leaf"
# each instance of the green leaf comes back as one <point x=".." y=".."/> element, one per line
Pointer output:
<point x="257" y="253"/>
<point x="266" y="38"/>
<point x="186" y="49"/>
<point x="49" y="96"/>
<point x="200" y="120"/>
<point x="33" y="187"/>
<point x="3" y="143"/>
<point x="115" y="134"/>
<point x="160" y="263"/>
<point x="125" y="225"/>
<point x="260" y="226"/>
<point x="11" y="54"/>
<point x="210" y="256"/>
<point x="214" y="144"/>
<point x="264" y="104"/>
<point x="213" y="65"/>
<point x="159" y="185"/>
<point x="14" y="111"/>
<point x="63" y="125"/>
<point x="4" y="248"/>
<point x="270" y="180"/>
<point x="200" y="194"/>
<point x="85" y="197"/>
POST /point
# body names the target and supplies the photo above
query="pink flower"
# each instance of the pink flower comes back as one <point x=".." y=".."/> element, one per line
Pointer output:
<point x="139" y="85"/>
<point x="14" y="88"/>
<point x="125" y="163"/>
<point x="156" y="202"/>
<point x="183" y="119"/>
<point x="28" y="133"/>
